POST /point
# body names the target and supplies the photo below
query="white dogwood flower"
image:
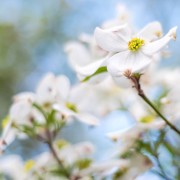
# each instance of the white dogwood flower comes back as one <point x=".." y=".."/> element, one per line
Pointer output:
<point x="54" y="92"/>
<point x="122" y="16"/>
<point x="132" y="53"/>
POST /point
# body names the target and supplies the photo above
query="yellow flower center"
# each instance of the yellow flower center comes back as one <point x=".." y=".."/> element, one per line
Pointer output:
<point x="135" y="44"/>
<point x="147" y="119"/>
<point x="29" y="165"/>
<point x="61" y="143"/>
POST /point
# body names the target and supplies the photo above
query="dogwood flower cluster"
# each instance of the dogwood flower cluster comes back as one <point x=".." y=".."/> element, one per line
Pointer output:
<point x="112" y="65"/>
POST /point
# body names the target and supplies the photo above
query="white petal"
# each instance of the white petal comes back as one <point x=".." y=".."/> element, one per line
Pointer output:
<point x="10" y="136"/>
<point x="84" y="148"/>
<point x="91" y="68"/>
<point x="155" y="46"/>
<point x="63" y="87"/>
<point x="112" y="40"/>
<point x="114" y="135"/>
<point x="123" y="82"/>
<point x="124" y="134"/>
<point x="87" y="118"/>
<point x="25" y="96"/>
<point x="20" y="112"/>
<point x="83" y="117"/>
<point x="78" y="55"/>
<point x="45" y="90"/>
<point x="115" y="66"/>
<point x="64" y="110"/>
<point x="152" y="125"/>
<point x="121" y="62"/>
<point x="151" y="32"/>
<point x="138" y="62"/>
<point x="87" y="38"/>
<point x="52" y="89"/>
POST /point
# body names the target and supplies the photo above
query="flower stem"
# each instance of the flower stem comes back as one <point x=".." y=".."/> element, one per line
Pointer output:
<point x="158" y="112"/>
<point x="53" y="151"/>
<point x="137" y="85"/>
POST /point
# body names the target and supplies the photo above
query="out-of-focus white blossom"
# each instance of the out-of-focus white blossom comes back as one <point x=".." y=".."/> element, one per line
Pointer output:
<point x="69" y="154"/>
<point x="123" y="16"/>
<point x="12" y="166"/>
<point x="131" y="134"/>
<point x="103" y="169"/>
<point x="138" y="165"/>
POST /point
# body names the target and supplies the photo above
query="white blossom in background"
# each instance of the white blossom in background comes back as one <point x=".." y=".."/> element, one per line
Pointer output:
<point x="21" y="113"/>
<point x="106" y="168"/>
<point x="52" y="93"/>
<point x="80" y="56"/>
<point x="12" y="166"/>
<point x="69" y="154"/>
<point x="138" y="165"/>
<point x="100" y="99"/>
<point x="170" y="103"/>
<point x="123" y="16"/>
<point x="130" y="135"/>
<point x="167" y="81"/>
<point x="40" y="166"/>
<point x="22" y="110"/>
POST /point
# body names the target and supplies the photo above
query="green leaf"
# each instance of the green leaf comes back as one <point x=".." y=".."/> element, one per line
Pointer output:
<point x="51" y="117"/>
<point x="100" y="70"/>
<point x="27" y="130"/>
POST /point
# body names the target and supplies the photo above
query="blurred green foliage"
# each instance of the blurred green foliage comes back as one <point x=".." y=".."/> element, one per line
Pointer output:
<point x="14" y="64"/>
<point x="25" y="42"/>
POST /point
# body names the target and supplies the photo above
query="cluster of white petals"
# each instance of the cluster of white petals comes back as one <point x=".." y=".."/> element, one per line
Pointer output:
<point x="105" y="63"/>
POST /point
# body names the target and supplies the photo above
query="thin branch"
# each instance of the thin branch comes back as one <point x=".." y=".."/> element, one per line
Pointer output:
<point x="136" y="81"/>
<point x="54" y="153"/>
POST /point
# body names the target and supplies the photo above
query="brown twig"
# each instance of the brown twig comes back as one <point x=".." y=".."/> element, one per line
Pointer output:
<point x="135" y="78"/>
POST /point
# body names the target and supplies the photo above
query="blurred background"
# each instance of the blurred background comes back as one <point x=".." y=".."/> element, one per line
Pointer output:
<point x="33" y="33"/>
